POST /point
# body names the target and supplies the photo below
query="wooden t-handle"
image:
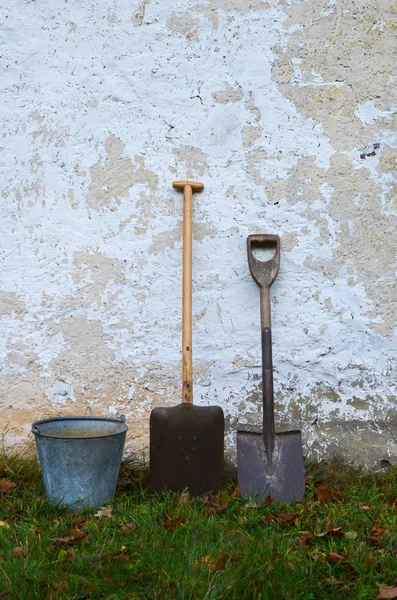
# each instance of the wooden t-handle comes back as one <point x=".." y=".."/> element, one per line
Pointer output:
<point x="187" y="362"/>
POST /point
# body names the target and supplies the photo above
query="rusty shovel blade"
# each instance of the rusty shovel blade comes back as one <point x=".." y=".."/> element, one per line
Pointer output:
<point x="283" y="479"/>
<point x="186" y="448"/>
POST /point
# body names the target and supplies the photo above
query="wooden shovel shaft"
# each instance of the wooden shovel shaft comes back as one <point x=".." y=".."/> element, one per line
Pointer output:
<point x="269" y="431"/>
<point x="187" y="357"/>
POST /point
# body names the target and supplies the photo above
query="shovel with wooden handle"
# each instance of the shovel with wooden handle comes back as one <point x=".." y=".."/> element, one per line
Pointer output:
<point x="186" y="441"/>
<point x="268" y="463"/>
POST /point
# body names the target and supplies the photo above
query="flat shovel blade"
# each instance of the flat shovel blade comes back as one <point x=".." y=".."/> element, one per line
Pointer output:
<point x="283" y="479"/>
<point x="186" y="448"/>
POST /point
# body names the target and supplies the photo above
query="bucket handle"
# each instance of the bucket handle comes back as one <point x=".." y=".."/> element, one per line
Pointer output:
<point x="122" y="418"/>
<point x="35" y="429"/>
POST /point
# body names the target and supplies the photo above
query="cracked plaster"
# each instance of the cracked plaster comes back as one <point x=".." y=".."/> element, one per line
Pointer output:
<point x="287" y="111"/>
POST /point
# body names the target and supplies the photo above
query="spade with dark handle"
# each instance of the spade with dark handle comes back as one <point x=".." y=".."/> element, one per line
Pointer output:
<point x="186" y="441"/>
<point x="268" y="464"/>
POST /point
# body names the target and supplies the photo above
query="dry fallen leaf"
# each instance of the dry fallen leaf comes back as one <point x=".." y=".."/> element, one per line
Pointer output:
<point x="6" y="486"/>
<point x="326" y="494"/>
<point x="215" y="564"/>
<point x="331" y="581"/>
<point x="214" y="506"/>
<point x="251" y="505"/>
<point x="20" y="551"/>
<point x="184" y="498"/>
<point x="334" y="557"/>
<point x="388" y="592"/>
<point x="125" y="478"/>
<point x="128" y="527"/>
<point x="236" y="493"/>
<point x="329" y="532"/>
<point x="105" y="511"/>
<point x="77" y="537"/>
<point x="304" y="536"/>
<point x="378" y="531"/>
<point x="62" y="585"/>
<point x="282" y="518"/>
<point x="173" y="524"/>
<point x="376" y="535"/>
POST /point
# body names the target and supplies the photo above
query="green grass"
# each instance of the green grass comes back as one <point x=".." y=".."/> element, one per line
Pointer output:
<point x="168" y="547"/>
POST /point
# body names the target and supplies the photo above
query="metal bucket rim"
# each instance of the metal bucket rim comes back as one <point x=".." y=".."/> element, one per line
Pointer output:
<point x="119" y="420"/>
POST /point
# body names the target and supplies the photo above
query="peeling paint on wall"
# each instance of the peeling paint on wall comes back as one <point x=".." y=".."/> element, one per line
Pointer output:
<point x="286" y="110"/>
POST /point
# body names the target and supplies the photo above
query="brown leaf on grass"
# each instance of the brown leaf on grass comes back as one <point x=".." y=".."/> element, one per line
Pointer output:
<point x="105" y="511"/>
<point x="304" y="536"/>
<point x="331" y="581"/>
<point x="236" y="493"/>
<point x="214" y="506"/>
<point x="90" y="591"/>
<point x="330" y="532"/>
<point x="215" y="564"/>
<point x="387" y="592"/>
<point x="38" y="529"/>
<point x="20" y="551"/>
<point x="62" y="585"/>
<point x="184" y="499"/>
<point x="282" y="518"/>
<point x="215" y="509"/>
<point x="173" y="524"/>
<point x="77" y="537"/>
<point x="378" y="531"/>
<point x="6" y="486"/>
<point x="316" y="557"/>
<point x="269" y="500"/>
<point x="326" y="494"/>
<point x="376" y="535"/>
<point x="128" y="527"/>
<point x="269" y="568"/>
<point x="125" y="478"/>
<point x="316" y="482"/>
<point x="373" y="540"/>
<point x="365" y="506"/>
<point x="334" y="557"/>
<point x="251" y="505"/>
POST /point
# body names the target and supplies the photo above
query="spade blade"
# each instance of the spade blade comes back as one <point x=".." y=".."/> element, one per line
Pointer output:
<point x="283" y="479"/>
<point x="186" y="448"/>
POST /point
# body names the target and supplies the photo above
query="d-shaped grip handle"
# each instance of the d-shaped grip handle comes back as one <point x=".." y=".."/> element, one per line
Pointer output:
<point x="264" y="272"/>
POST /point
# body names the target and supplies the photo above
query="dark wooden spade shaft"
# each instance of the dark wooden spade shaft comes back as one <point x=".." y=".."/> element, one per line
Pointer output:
<point x="269" y="430"/>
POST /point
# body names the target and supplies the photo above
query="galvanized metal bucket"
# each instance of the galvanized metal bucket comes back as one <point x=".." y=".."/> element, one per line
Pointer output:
<point x="80" y="458"/>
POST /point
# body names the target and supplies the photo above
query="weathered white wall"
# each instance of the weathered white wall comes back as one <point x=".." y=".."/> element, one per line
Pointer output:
<point x="287" y="111"/>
